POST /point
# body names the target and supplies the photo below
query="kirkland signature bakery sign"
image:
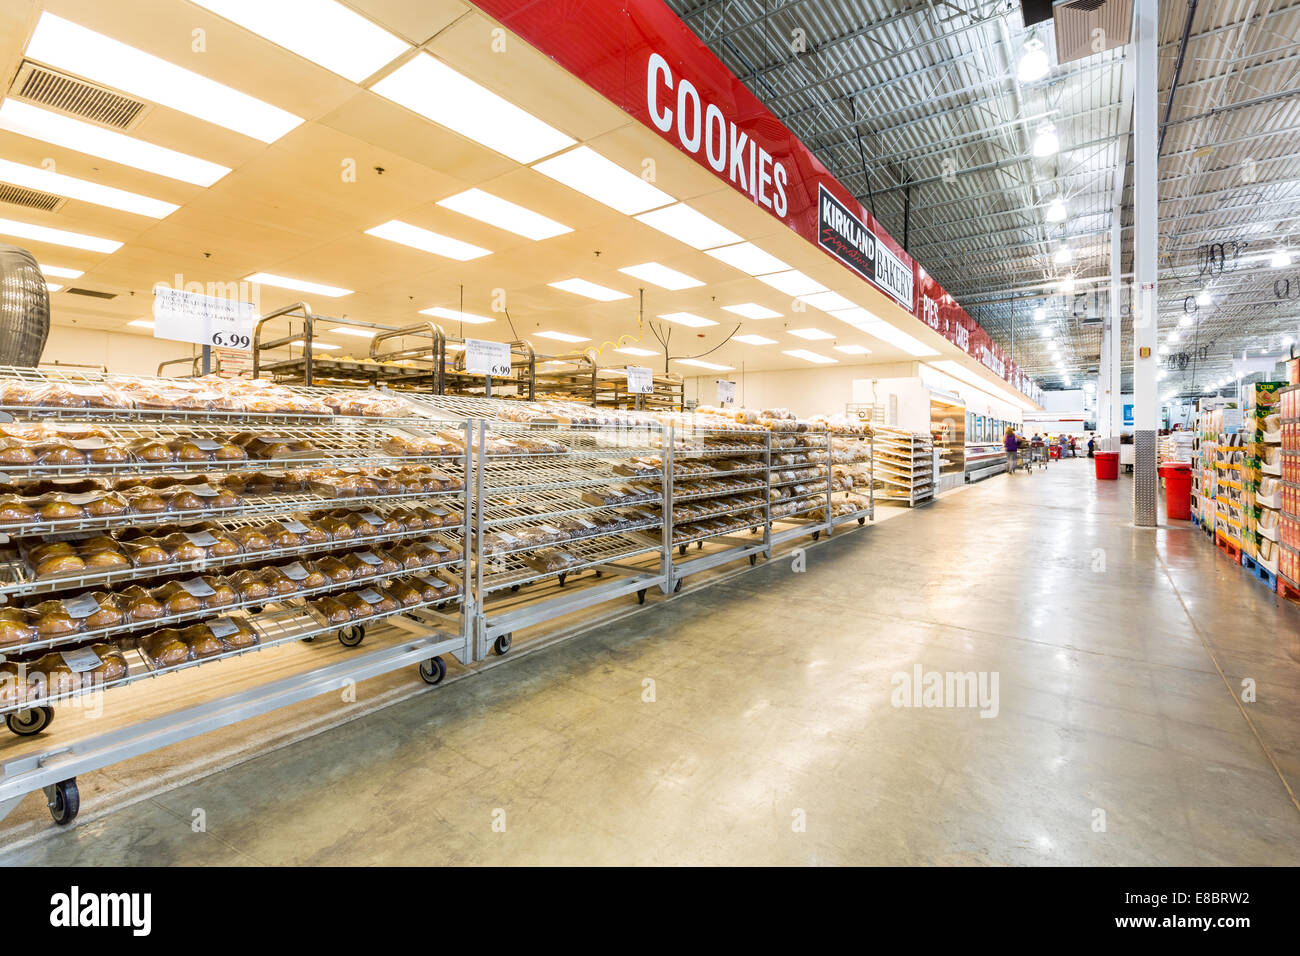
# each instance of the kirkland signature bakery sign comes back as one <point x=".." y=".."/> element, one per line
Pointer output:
<point x="846" y="237"/>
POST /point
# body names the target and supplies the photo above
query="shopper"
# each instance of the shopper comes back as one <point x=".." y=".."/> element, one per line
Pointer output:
<point x="1092" y="445"/>
<point x="1012" y="445"/>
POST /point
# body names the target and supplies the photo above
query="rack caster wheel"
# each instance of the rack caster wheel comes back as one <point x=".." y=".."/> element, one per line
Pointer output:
<point x="561" y="577"/>
<point x="753" y="560"/>
<point x="816" y="535"/>
<point x="678" y="586"/>
<point x="699" y="545"/>
<point x="308" y="640"/>
<point x="352" y="636"/>
<point x="862" y="521"/>
<point x="64" y="801"/>
<point x="599" y="572"/>
<point x="501" y="646"/>
<point x="640" y="596"/>
<point x="25" y="723"/>
<point x="514" y="588"/>
<point x="681" y="549"/>
<point x="433" y="671"/>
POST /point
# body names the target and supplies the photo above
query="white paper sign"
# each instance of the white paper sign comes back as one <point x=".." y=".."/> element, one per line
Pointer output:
<point x="487" y="358"/>
<point x="81" y="660"/>
<point x="640" y="381"/>
<point x="202" y="319"/>
<point x="726" y="392"/>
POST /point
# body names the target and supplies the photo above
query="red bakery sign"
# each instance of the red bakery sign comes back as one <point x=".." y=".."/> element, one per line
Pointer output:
<point x="641" y="57"/>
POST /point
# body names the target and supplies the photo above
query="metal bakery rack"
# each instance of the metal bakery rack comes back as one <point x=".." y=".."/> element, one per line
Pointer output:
<point x="47" y="652"/>
<point x="904" y="466"/>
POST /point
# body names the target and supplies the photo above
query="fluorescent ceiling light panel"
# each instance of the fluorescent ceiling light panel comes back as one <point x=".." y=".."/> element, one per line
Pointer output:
<point x="437" y="92"/>
<point x="60" y="130"/>
<point x="693" y="228"/>
<point x="426" y="241"/>
<point x="453" y="315"/>
<point x="297" y="285"/>
<point x="662" y="276"/>
<point x="751" y="310"/>
<point x="827" y="301"/>
<point x="636" y="350"/>
<point x="585" y="170"/>
<point x="44" y="180"/>
<point x="60" y="273"/>
<point x="503" y="214"/>
<point x="853" y="349"/>
<point x="812" y="335"/>
<point x="57" y="237"/>
<point x="563" y="337"/>
<point x="589" y="289"/>
<point x="750" y="259"/>
<point x="869" y="323"/>
<point x="700" y="363"/>
<point x="808" y="356"/>
<point x="325" y="32"/>
<point x="141" y="323"/>
<point x="52" y="287"/>
<point x="315" y="345"/>
<point x="688" y="319"/>
<point x="359" y="333"/>
<point x="753" y="339"/>
<point x="793" y="283"/>
<point x="63" y="44"/>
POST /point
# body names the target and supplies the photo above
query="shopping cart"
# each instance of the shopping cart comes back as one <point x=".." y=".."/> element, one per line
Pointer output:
<point x="1025" y="458"/>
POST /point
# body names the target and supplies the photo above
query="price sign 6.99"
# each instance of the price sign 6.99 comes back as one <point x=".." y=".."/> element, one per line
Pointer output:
<point x="202" y="319"/>
<point x="487" y="358"/>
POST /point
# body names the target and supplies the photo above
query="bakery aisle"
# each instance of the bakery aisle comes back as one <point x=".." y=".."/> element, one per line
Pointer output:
<point x="751" y="722"/>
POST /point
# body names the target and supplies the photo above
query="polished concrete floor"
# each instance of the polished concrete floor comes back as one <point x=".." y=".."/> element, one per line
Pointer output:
<point x="754" y="722"/>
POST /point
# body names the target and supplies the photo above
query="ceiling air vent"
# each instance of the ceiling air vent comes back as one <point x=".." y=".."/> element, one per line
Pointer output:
<point x="59" y="91"/>
<point x="1085" y="27"/>
<point x="29" y="198"/>
<point x="92" y="293"/>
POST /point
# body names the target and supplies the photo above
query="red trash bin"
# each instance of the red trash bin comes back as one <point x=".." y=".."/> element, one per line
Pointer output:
<point x="1107" y="465"/>
<point x="1178" y="490"/>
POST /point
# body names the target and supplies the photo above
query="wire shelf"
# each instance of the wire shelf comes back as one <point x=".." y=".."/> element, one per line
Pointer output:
<point x="282" y="623"/>
<point x="203" y="614"/>
<point x="511" y="571"/>
<point x="512" y="477"/>
<point x="576" y="541"/>
<point x="265" y="505"/>
<point x="551" y="504"/>
<point x="17" y="578"/>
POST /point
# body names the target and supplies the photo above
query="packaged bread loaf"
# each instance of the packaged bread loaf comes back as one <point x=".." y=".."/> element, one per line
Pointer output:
<point x="15" y="627"/>
<point x="164" y="649"/>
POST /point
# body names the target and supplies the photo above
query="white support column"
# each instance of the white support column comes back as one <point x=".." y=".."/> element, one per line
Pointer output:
<point x="1114" y="352"/>
<point x="1146" y="410"/>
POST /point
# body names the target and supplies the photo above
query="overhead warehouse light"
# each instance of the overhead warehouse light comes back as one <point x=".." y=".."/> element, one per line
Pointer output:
<point x="437" y="92"/>
<point x="1033" y="64"/>
<point x="297" y="285"/>
<point x="1040" y="314"/>
<point x="325" y="32"/>
<point x="57" y="237"/>
<point x="662" y="276"/>
<point x="1185" y="321"/>
<point x="427" y="241"/>
<point x="67" y="46"/>
<point x="688" y="319"/>
<point x="1046" y="142"/>
<point x="455" y="315"/>
<point x="700" y="363"/>
<point x="1203" y="298"/>
<point x="750" y="259"/>
<point x="693" y="228"/>
<point x="1055" y="210"/>
<point x="1280" y="259"/>
<point x="752" y="310"/>
<point x="586" y="171"/>
<point x="47" y="181"/>
<point x="503" y="214"/>
<point x="589" y="289"/>
<point x="1063" y="256"/>
<point x="1067" y="285"/>
<point x="809" y="356"/>
<point x="59" y="130"/>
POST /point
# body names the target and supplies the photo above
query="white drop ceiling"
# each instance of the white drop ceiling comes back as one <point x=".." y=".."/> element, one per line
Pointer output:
<point x="300" y="206"/>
